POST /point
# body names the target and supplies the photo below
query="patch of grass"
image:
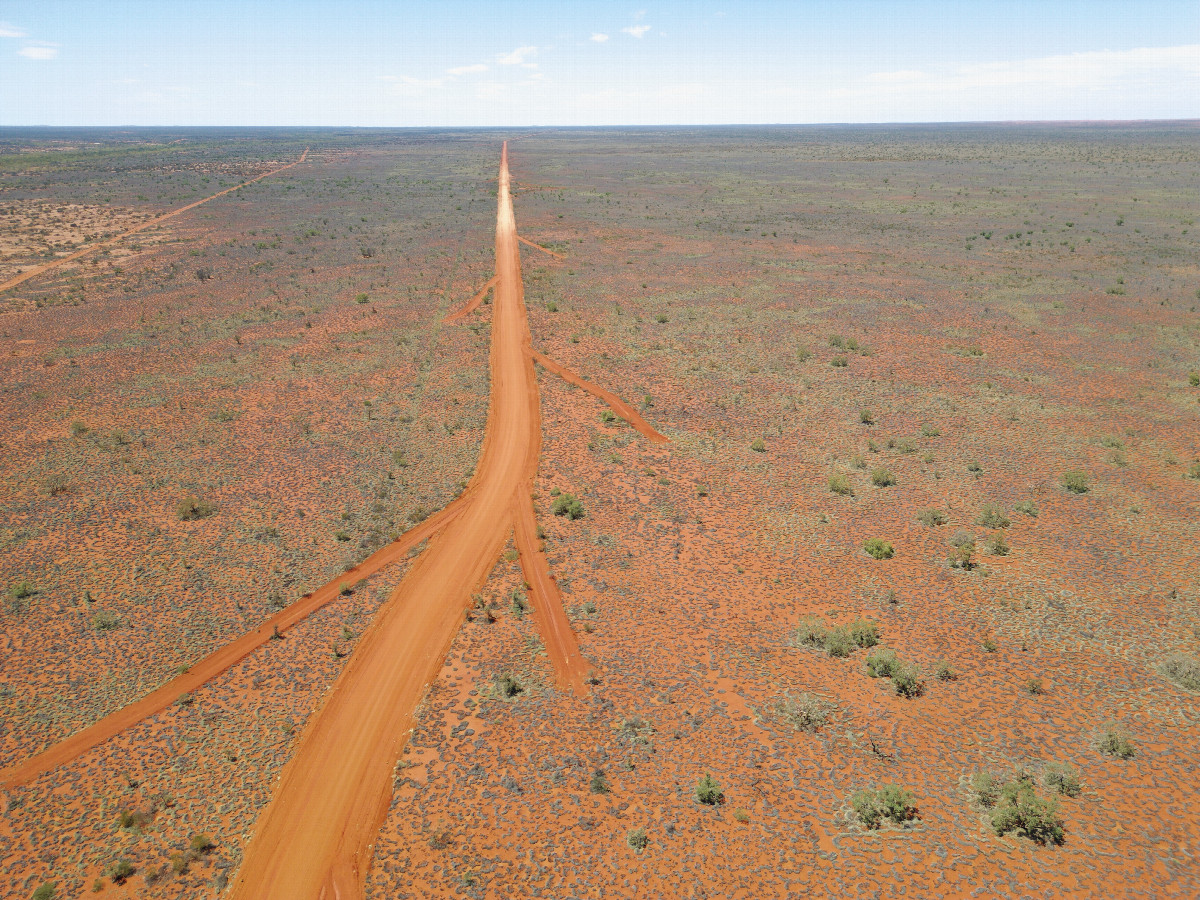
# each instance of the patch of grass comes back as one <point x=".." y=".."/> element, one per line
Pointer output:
<point x="864" y="632"/>
<point x="1075" y="481"/>
<point x="865" y="417"/>
<point x="106" y="620"/>
<point x="991" y="515"/>
<point x="708" y="791"/>
<point x="508" y="685"/>
<point x="839" y="362"/>
<point x="1182" y="669"/>
<point x="890" y="802"/>
<point x="192" y="507"/>
<point x="997" y="546"/>
<point x="56" y="484"/>
<point x="943" y="671"/>
<point x="599" y="783"/>
<point x="962" y="550"/>
<point x="840" y="484"/>
<point x="882" y="478"/>
<point x="1062" y="779"/>
<point x="608" y="417"/>
<point x="804" y="712"/>
<point x="567" y="505"/>
<point x="1115" y="742"/>
<point x="46" y="891"/>
<point x="22" y="590"/>
<point x="758" y="446"/>
<point x="637" y="839"/>
<point x="120" y="870"/>
<point x="932" y="517"/>
<point x="1027" y="507"/>
<point x="879" y="548"/>
<point x="201" y="843"/>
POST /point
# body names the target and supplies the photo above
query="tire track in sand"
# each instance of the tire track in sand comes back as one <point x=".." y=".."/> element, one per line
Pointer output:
<point x="208" y="668"/>
<point x="314" y="840"/>
<point x="474" y="302"/>
<point x="619" y="406"/>
<point x="91" y="248"/>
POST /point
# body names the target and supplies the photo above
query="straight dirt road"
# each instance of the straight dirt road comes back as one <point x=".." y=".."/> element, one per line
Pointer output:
<point x="315" y="838"/>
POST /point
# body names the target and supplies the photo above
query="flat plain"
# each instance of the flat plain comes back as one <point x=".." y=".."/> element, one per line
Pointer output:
<point x="931" y="390"/>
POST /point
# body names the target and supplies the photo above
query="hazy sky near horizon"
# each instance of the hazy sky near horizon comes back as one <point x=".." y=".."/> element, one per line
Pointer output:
<point x="375" y="63"/>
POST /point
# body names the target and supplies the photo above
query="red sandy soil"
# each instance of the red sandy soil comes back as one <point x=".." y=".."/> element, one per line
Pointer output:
<point x="158" y="220"/>
<point x="474" y="302"/>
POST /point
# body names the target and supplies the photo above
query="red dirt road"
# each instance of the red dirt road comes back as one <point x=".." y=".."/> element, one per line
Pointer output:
<point x="315" y="838"/>
<point x="91" y="248"/>
<point x="474" y="302"/>
<point x="217" y="662"/>
<point x="619" y="406"/>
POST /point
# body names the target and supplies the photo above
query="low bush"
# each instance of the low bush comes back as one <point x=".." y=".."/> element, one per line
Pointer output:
<point x="201" y="843"/>
<point x="840" y="484"/>
<point x="1062" y="779"/>
<point x="839" y="362"/>
<point x="888" y="802"/>
<point x="192" y="507"/>
<point x="1027" y="507"/>
<point x="1115" y="742"/>
<point x="838" y="642"/>
<point x="508" y="685"/>
<point x="985" y="788"/>
<point x="810" y="632"/>
<point x="56" y="484"/>
<point x="567" y="505"/>
<point x="865" y="632"/>
<point x="120" y="870"/>
<point x="1020" y="809"/>
<point x="46" y="891"/>
<point x="906" y="681"/>
<point x="759" y="446"/>
<point x="608" y="417"/>
<point x="1182" y="669"/>
<point x="992" y="516"/>
<point x="997" y="546"/>
<point x="879" y="548"/>
<point x="22" y="590"/>
<point x="1075" y="481"/>
<point x="882" y="478"/>
<point x="882" y="662"/>
<point x="106" y="620"/>
<point x="708" y="791"/>
<point x="599" y="783"/>
<point x="637" y="839"/>
<point x="865" y="417"/>
<point x="932" y="517"/>
<point x="803" y="712"/>
<point x="943" y="671"/>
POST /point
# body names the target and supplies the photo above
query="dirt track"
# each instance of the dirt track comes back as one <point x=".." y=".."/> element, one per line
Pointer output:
<point x="91" y="248"/>
<point x="474" y="302"/>
<point x="315" y="838"/>
<point x="217" y="662"/>
<point x="619" y="406"/>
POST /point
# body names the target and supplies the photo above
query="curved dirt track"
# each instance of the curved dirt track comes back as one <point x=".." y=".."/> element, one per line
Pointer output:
<point x="91" y="248"/>
<point x="315" y="838"/>
<point x="218" y="661"/>
<point x="474" y="302"/>
<point x="529" y="243"/>
<point x="619" y="406"/>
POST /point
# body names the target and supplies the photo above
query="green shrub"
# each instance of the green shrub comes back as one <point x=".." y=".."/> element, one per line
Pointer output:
<point x="1115" y="742"/>
<point x="943" y="671"/>
<point x="1194" y="379"/>
<point x="839" y="362"/>
<point x="1075" y="481"/>
<point x="932" y="517"/>
<point x="1027" y="507"/>
<point x="567" y="505"/>
<point x="607" y="417"/>
<point x="46" y="891"/>
<point x="1194" y="471"/>
<point x="882" y="662"/>
<point x="974" y="467"/>
<point x="758" y="446"/>
<point x="55" y="484"/>
<point x="22" y="590"/>
<point x="865" y="417"/>
<point x="599" y="783"/>
<point x="708" y="791"/>
<point x="1182" y="669"/>
<point x="508" y="685"/>
<point x="192" y="507"/>
<point x="997" y="546"/>
<point x="803" y="354"/>
<point x="637" y="839"/>
<point x="985" y="787"/>
<point x="837" y="341"/>
<point x="865" y="632"/>
<point x="882" y="478"/>
<point x="106" y="620"/>
<point x="201" y="843"/>
<point x="930" y="431"/>
<point x="879" y="548"/>
<point x="1020" y="809"/>
<point x="992" y="516"/>
<point x="838" y="642"/>
<point x="120" y="870"/>
<point x="78" y="429"/>
<point x="962" y="551"/>
<point x="840" y="484"/>
<point x="1035" y="686"/>
<point x="810" y="632"/>
<point x="804" y="712"/>
<point x="906" y="680"/>
<point x="889" y="802"/>
<point x="1063" y="779"/>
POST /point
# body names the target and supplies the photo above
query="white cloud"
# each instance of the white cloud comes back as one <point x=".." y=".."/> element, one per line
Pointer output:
<point x="599" y="37"/>
<point x="39" y="50"/>
<point x="7" y="30"/>
<point x="517" y="57"/>
<point x="468" y="70"/>
<point x="637" y="31"/>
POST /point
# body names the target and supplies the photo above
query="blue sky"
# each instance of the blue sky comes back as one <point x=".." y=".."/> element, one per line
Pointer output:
<point x="371" y="63"/>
